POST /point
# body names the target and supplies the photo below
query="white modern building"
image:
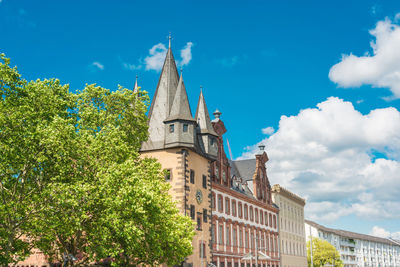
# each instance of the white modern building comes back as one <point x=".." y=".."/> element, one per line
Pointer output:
<point x="357" y="249"/>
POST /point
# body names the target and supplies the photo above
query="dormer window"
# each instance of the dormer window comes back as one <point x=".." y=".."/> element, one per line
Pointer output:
<point x="171" y="128"/>
<point x="185" y="127"/>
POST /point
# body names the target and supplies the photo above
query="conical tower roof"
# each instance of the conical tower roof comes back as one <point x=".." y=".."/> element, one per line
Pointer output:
<point x="162" y="102"/>
<point x="203" y="117"/>
<point x="180" y="109"/>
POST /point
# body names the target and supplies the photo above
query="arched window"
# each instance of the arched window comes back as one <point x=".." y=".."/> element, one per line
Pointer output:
<point x="245" y="212"/>
<point x="270" y="220"/>
<point x="251" y="214"/>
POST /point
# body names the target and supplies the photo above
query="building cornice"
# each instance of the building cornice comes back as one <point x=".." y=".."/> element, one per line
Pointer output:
<point x="278" y="189"/>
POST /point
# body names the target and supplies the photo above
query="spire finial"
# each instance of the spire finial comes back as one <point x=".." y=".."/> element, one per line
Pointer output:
<point x="261" y="147"/>
<point x="181" y="69"/>
<point x="217" y="114"/>
<point x="201" y="88"/>
<point x="169" y="40"/>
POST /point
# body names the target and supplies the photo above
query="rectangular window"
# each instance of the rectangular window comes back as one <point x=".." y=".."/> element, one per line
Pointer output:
<point x="198" y="221"/>
<point x="167" y="175"/>
<point x="227" y="205"/>
<point x="227" y="235"/>
<point x="185" y="127"/>
<point x="213" y="234"/>
<point x="234" y="238"/>
<point x="220" y="235"/>
<point x="192" y="176"/>
<point x="245" y="211"/>
<point x="171" y="128"/>
<point x="233" y="208"/>
<point x="205" y="215"/>
<point x="204" y="181"/>
<point x="220" y="208"/>
<point x="192" y="212"/>
<point x="246" y="237"/>
<point x="240" y="209"/>
<point x="240" y="238"/>
<point x="256" y="214"/>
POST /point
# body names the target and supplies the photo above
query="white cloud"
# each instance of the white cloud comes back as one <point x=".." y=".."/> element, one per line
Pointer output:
<point x="381" y="69"/>
<point x="268" y="130"/>
<point x="98" y="65"/>
<point x="129" y="66"/>
<point x="381" y="232"/>
<point x="95" y="66"/>
<point x="328" y="155"/>
<point x="155" y="60"/>
<point x="186" y="54"/>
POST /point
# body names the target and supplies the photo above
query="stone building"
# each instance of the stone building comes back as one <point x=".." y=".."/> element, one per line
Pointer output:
<point x="185" y="146"/>
<point x="357" y="249"/>
<point x="230" y="201"/>
<point x="291" y="230"/>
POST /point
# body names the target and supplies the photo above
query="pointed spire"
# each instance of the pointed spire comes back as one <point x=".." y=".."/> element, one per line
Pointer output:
<point x="162" y="102"/>
<point x="203" y="117"/>
<point x="136" y="88"/>
<point x="180" y="109"/>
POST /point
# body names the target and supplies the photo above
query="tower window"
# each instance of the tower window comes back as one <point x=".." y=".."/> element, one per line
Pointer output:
<point x="204" y="181"/>
<point x="185" y="127"/>
<point x="167" y="175"/>
<point x="192" y="176"/>
<point x="205" y="215"/>
<point x="171" y="128"/>
<point x="198" y="222"/>
<point x="192" y="211"/>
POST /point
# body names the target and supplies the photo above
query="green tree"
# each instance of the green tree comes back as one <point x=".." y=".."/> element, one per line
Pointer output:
<point x="91" y="196"/>
<point x="323" y="254"/>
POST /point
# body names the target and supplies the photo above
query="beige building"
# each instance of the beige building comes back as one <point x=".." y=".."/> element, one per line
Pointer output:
<point x="291" y="227"/>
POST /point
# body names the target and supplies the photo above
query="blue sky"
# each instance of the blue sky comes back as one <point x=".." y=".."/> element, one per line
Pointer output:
<point x="257" y="61"/>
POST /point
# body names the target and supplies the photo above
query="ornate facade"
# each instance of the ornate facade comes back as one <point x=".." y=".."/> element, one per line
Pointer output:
<point x="245" y="226"/>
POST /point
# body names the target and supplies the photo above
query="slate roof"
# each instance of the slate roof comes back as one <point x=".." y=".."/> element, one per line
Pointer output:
<point x="180" y="107"/>
<point x="351" y="234"/>
<point x="203" y="117"/>
<point x="243" y="168"/>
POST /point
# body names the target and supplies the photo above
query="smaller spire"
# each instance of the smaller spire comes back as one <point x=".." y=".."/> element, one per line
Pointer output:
<point x="136" y="87"/>
<point x="203" y="117"/>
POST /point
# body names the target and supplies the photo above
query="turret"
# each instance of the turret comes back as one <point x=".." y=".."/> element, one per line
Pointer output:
<point x="180" y="125"/>
<point x="207" y="135"/>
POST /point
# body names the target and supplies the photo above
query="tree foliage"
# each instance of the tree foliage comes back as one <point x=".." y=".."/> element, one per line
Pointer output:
<point x="72" y="181"/>
<point x="323" y="254"/>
